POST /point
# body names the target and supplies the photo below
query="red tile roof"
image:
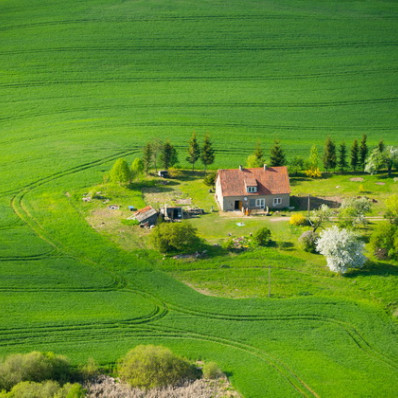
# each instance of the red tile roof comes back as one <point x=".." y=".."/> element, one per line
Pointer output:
<point x="270" y="181"/>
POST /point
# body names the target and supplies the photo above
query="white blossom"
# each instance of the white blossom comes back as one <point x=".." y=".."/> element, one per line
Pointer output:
<point x="342" y="249"/>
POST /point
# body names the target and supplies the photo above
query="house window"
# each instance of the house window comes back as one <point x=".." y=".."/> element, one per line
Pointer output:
<point x="260" y="203"/>
<point x="277" y="201"/>
<point x="251" y="189"/>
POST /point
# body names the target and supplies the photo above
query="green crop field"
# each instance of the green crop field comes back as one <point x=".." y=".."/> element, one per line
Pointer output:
<point x="86" y="82"/>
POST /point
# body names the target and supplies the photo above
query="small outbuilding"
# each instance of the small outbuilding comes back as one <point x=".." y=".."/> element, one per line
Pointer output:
<point x="163" y="173"/>
<point x="146" y="216"/>
<point x="172" y="213"/>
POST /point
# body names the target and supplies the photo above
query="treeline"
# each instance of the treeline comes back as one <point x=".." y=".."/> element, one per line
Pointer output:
<point x="335" y="158"/>
<point x="164" y="155"/>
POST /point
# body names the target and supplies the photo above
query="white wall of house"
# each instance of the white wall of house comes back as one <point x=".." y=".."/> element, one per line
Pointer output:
<point x="255" y="201"/>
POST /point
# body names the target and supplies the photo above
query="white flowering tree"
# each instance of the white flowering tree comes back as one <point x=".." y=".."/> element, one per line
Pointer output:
<point x="341" y="248"/>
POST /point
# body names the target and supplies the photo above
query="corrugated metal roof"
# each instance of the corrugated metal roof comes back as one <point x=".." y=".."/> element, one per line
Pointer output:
<point x="143" y="214"/>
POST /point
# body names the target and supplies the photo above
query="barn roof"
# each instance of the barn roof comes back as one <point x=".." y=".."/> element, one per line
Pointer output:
<point x="269" y="181"/>
<point x="143" y="214"/>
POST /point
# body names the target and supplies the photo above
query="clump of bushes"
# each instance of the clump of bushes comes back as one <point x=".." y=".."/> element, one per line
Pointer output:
<point x="297" y="219"/>
<point x="210" y="178"/>
<point x="384" y="241"/>
<point x="149" y="366"/>
<point x="211" y="371"/>
<point x="45" y="389"/>
<point x="35" y="366"/>
<point x="175" y="237"/>
<point x="262" y="237"/>
<point x="307" y="241"/>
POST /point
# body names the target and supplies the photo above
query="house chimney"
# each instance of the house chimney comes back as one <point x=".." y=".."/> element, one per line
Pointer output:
<point x="240" y="167"/>
<point x="265" y="166"/>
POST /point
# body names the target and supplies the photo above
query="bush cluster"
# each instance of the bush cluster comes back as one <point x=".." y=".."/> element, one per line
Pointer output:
<point x="45" y="389"/>
<point x="149" y="366"/>
<point x="298" y="219"/>
<point x="262" y="237"/>
<point x="307" y="241"/>
<point x="35" y="366"/>
<point x="384" y="241"/>
<point x="175" y="237"/>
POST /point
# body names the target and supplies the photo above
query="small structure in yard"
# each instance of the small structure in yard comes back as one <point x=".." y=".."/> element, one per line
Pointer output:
<point x="163" y="173"/>
<point x="113" y="207"/>
<point x="146" y="216"/>
<point x="172" y="213"/>
<point x="132" y="208"/>
<point x="251" y="190"/>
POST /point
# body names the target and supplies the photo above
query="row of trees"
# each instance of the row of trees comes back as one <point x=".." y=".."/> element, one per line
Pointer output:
<point x="156" y="153"/>
<point x="361" y="158"/>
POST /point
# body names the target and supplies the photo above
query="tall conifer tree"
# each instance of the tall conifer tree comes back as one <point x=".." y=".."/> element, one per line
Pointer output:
<point x="363" y="151"/>
<point x="277" y="155"/>
<point x="342" y="162"/>
<point x="329" y="156"/>
<point x="147" y="157"/>
<point x="193" y="151"/>
<point x="207" y="154"/>
<point x="354" y="155"/>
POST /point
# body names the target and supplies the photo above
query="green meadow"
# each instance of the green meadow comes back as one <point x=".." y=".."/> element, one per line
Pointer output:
<point x="86" y="82"/>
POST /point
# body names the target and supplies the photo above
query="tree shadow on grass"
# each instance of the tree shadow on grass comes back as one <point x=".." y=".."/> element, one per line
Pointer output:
<point x="374" y="268"/>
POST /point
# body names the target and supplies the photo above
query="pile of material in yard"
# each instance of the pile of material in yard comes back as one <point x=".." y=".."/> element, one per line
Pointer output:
<point x="108" y="387"/>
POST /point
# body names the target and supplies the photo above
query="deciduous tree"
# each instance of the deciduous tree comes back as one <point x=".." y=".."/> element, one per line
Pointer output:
<point x="120" y="172"/>
<point x="137" y="168"/>
<point x="342" y="249"/>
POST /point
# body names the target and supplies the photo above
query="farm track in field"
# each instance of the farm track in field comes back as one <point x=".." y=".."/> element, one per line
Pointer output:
<point x="350" y="329"/>
<point x="260" y="105"/>
<point x="169" y="18"/>
<point x="47" y="82"/>
<point x="204" y="48"/>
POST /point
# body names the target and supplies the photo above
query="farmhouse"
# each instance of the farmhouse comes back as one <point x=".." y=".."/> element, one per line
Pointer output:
<point x="253" y="189"/>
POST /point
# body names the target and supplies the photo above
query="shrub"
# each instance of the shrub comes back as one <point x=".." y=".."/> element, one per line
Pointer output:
<point x="175" y="172"/>
<point x="46" y="389"/>
<point x="384" y="240"/>
<point x="179" y="236"/>
<point x="211" y="371"/>
<point x="298" y="219"/>
<point x="313" y="173"/>
<point x="35" y="366"/>
<point x="148" y="366"/>
<point x="210" y="178"/>
<point x="353" y="211"/>
<point x="89" y="370"/>
<point x="307" y="241"/>
<point x="262" y="237"/>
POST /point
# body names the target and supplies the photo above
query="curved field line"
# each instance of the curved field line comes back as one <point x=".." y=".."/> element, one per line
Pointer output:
<point x="277" y="364"/>
<point x="32" y="257"/>
<point x="349" y="328"/>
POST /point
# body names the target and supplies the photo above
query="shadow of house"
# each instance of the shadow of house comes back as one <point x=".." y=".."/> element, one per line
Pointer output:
<point x="315" y="202"/>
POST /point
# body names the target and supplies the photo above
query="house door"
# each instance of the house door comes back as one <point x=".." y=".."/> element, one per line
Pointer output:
<point x="238" y="205"/>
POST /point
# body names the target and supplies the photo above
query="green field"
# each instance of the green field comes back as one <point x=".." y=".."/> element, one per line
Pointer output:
<point x="84" y="83"/>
